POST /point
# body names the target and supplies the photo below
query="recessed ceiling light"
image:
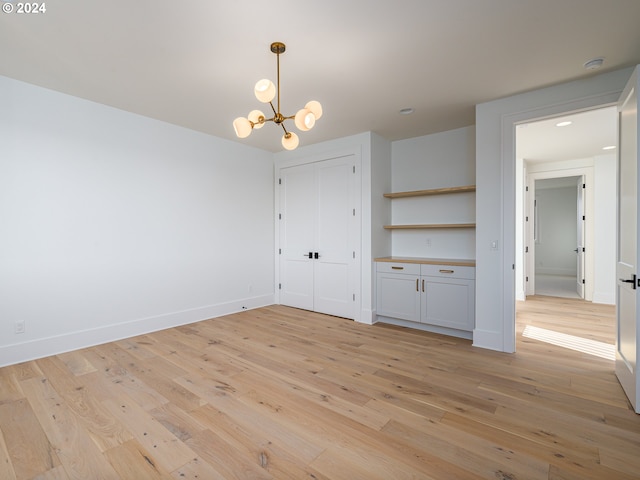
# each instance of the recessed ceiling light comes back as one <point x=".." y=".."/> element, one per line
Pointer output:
<point x="609" y="147"/>
<point x="406" y="111"/>
<point x="594" y="64"/>
<point x="563" y="124"/>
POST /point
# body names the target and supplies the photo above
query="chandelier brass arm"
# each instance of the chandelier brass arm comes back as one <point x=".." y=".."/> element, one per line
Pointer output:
<point x="265" y="91"/>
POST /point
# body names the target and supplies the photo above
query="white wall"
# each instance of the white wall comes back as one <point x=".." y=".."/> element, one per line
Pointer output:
<point x="112" y="224"/>
<point x="495" y="195"/>
<point x="439" y="160"/>
<point x="556" y="209"/>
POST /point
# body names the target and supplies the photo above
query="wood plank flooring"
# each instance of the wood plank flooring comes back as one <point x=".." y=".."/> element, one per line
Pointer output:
<point x="279" y="393"/>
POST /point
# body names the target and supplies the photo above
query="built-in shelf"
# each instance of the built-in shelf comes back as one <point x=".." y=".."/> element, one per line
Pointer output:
<point x="433" y="191"/>
<point x="430" y="225"/>
<point x="428" y="261"/>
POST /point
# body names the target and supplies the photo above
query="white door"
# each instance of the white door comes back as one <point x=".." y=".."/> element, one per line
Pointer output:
<point x="580" y="239"/>
<point x="297" y="235"/>
<point x="530" y="239"/>
<point x="335" y="236"/>
<point x="627" y="252"/>
<point x="318" y="236"/>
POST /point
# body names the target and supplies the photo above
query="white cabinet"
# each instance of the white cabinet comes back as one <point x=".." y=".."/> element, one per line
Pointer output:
<point x="434" y="294"/>
<point x="448" y="296"/>
<point x="398" y="291"/>
<point x="435" y="297"/>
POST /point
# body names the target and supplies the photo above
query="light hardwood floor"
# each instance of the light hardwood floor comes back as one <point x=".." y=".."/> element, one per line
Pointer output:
<point x="287" y="394"/>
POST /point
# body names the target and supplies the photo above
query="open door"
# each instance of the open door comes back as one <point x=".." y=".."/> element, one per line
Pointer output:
<point x="580" y="276"/>
<point x="627" y="289"/>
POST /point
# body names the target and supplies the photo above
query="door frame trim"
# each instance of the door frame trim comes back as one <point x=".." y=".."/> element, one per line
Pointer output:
<point x="587" y="173"/>
<point x="508" y="126"/>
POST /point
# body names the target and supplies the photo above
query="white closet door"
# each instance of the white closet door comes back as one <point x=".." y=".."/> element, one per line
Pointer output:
<point x="317" y="204"/>
<point x="333" y="277"/>
<point x="297" y="235"/>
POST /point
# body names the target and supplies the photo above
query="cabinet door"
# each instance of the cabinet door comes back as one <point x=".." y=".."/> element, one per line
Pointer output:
<point x="448" y="302"/>
<point x="398" y="296"/>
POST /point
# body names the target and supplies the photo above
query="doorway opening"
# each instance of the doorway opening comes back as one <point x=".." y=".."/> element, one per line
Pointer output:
<point x="565" y="215"/>
<point x="559" y="251"/>
<point x="558" y="234"/>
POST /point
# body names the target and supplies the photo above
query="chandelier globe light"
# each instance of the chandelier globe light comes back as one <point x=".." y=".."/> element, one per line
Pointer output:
<point x="265" y="91"/>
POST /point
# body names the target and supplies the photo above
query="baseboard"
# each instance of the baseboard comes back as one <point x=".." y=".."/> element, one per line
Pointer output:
<point x="44" y="347"/>
<point x="451" y="332"/>
<point x="561" y="272"/>
<point x="367" y="316"/>
<point x="488" y="339"/>
<point x="605" y="298"/>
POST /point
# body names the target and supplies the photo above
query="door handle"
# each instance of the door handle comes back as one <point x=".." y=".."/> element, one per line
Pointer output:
<point x="632" y="281"/>
<point x="576" y="250"/>
<point x="315" y="255"/>
<point x="308" y="255"/>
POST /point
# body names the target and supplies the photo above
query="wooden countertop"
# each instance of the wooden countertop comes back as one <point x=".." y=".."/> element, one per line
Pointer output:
<point x="429" y="261"/>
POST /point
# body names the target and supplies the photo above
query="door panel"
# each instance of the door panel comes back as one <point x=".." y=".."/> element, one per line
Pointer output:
<point x="297" y="236"/>
<point x="627" y="254"/>
<point x="332" y="270"/>
<point x="332" y="292"/>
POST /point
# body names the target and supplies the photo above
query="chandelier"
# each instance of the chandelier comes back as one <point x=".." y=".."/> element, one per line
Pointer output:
<point x="265" y="92"/>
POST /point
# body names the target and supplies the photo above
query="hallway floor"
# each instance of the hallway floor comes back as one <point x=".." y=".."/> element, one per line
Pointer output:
<point x="556" y="286"/>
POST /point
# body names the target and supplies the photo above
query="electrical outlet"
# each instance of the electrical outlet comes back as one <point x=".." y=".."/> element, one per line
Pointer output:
<point x="19" y="326"/>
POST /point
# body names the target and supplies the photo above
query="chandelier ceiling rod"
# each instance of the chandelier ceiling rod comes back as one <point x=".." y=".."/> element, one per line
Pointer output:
<point x="265" y="91"/>
<point x="278" y="48"/>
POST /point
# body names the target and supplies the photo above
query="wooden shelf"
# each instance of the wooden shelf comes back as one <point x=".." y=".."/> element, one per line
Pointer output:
<point x="434" y="191"/>
<point x="456" y="262"/>
<point x="430" y="225"/>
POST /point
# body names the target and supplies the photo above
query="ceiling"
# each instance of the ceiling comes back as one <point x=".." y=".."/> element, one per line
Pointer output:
<point x="194" y="63"/>
<point x="587" y="136"/>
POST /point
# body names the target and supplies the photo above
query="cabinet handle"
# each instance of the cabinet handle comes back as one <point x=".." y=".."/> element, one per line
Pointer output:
<point x="397" y="268"/>
<point x="446" y="271"/>
<point x="417" y="284"/>
<point x="423" y="285"/>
